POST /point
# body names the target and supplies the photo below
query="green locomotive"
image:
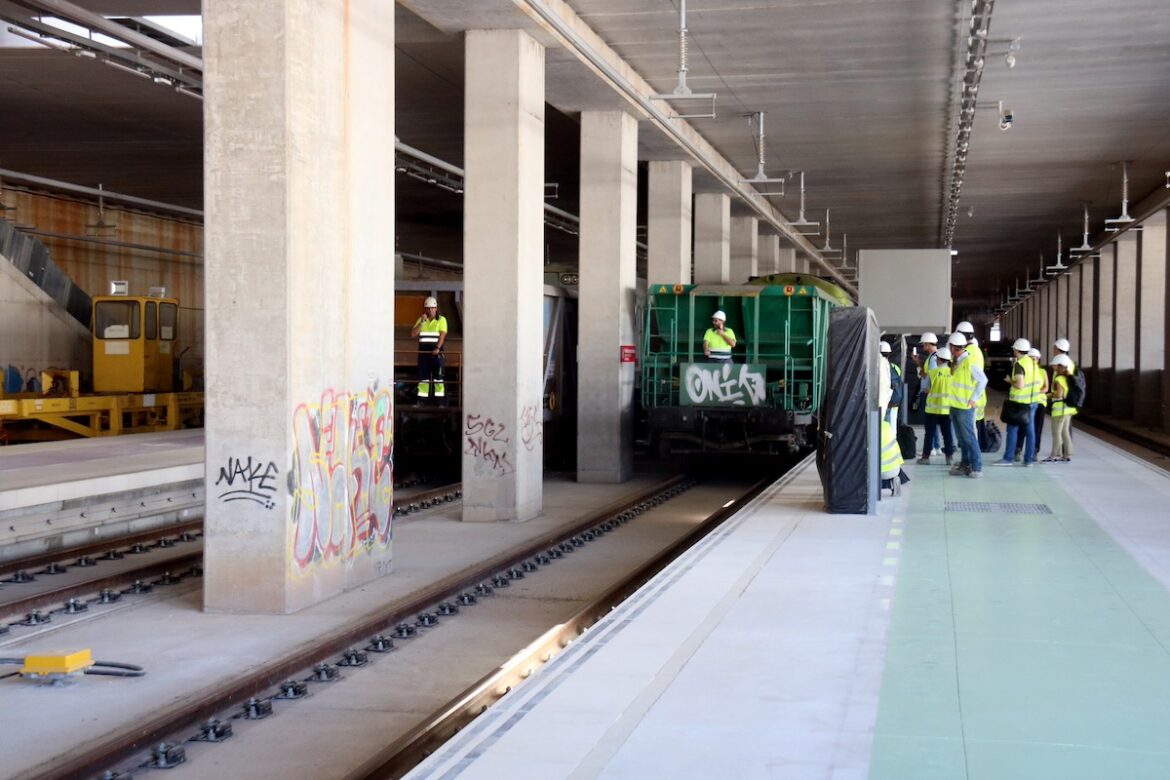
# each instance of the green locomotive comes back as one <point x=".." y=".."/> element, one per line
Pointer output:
<point x="765" y="401"/>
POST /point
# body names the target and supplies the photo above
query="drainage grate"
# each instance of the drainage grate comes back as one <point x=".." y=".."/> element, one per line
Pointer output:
<point x="997" y="506"/>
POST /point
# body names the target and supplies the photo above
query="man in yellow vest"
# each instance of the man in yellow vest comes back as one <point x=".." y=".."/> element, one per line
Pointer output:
<point x="431" y="331"/>
<point x="936" y="375"/>
<point x="968" y="385"/>
<point x="719" y="340"/>
<point x="1022" y="391"/>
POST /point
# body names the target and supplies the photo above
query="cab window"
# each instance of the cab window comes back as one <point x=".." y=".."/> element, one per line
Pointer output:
<point x="116" y="320"/>
<point x="168" y="319"/>
<point x="151" y="320"/>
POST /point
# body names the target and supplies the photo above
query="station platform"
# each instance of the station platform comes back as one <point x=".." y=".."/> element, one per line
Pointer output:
<point x="56" y="495"/>
<point x="1016" y="626"/>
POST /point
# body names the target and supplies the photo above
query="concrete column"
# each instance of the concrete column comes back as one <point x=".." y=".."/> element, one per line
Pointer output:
<point x="712" y="238"/>
<point x="668" y="233"/>
<point x="299" y="303"/>
<point x="1060" y="328"/>
<point x="1151" y="357"/>
<point x="1103" y="385"/>
<point x="609" y="213"/>
<point x="1074" y="311"/>
<point x="745" y="248"/>
<point x="770" y="254"/>
<point x="1125" y="296"/>
<point x="801" y="265"/>
<point x="787" y="262"/>
<point x="1086" y="353"/>
<point x="503" y="248"/>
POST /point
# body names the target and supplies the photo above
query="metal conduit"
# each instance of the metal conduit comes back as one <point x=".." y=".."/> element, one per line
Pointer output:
<point x="65" y="186"/>
<point x="556" y="24"/>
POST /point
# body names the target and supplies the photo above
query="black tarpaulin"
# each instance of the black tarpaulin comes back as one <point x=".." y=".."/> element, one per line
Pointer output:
<point x="848" y="448"/>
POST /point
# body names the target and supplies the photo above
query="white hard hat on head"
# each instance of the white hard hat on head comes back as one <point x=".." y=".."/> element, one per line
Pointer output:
<point x="943" y="354"/>
<point x="1062" y="345"/>
<point x="1034" y="353"/>
<point x="965" y="327"/>
<point x="1022" y="345"/>
<point x="430" y="303"/>
<point x="957" y="340"/>
<point x="928" y="338"/>
<point x="719" y="315"/>
<point x="885" y="347"/>
<point x="1061" y="360"/>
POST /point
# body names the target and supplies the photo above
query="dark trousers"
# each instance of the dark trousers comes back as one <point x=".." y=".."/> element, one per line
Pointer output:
<point x="1038" y="425"/>
<point x="430" y="369"/>
<point x="934" y="424"/>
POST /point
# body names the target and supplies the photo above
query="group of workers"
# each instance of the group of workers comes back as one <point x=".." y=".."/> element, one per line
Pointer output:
<point x="954" y="383"/>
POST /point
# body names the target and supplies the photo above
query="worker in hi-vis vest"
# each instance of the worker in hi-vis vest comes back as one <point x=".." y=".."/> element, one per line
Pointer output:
<point x="431" y="331"/>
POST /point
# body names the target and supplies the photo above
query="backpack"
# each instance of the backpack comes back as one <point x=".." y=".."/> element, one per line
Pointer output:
<point x="897" y="386"/>
<point x="992" y="437"/>
<point x="1075" y="397"/>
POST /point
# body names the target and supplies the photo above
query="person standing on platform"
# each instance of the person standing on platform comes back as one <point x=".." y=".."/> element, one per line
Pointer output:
<point x="968" y="386"/>
<point x="975" y="352"/>
<point x="1022" y="392"/>
<point x="897" y="386"/>
<point x="431" y="331"/>
<point x="936" y="380"/>
<point x="1041" y="394"/>
<point x="1062" y="413"/>
<point x="891" y="467"/>
<point x="925" y="363"/>
<point x="719" y="340"/>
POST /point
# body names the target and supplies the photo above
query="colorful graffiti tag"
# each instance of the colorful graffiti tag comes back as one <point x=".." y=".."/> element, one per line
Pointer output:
<point x="342" y="480"/>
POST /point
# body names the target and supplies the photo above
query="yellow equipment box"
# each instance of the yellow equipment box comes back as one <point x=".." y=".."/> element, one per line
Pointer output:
<point x="57" y="663"/>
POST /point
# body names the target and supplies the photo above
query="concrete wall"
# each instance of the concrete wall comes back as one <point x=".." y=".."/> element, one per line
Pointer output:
<point x="37" y="332"/>
<point x="1151" y="356"/>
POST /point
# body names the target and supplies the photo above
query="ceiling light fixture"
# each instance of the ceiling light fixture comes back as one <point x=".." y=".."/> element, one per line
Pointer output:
<point x="681" y="90"/>
<point x="135" y="71"/>
<point x="48" y="43"/>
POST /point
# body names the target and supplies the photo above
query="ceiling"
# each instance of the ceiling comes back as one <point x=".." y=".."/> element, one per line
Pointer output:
<point x="858" y="94"/>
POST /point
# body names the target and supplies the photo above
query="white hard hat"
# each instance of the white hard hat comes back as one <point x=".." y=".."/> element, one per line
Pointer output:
<point x="957" y="340"/>
<point x="885" y="347"/>
<point x="430" y="303"/>
<point x="1022" y="345"/>
<point x="1062" y="345"/>
<point x="928" y="338"/>
<point x="1034" y="353"/>
<point x="943" y="354"/>
<point x="719" y="315"/>
<point x="1061" y="360"/>
<point x="965" y="327"/>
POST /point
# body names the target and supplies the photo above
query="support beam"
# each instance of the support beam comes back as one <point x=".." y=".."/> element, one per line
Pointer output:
<point x="609" y="212"/>
<point x="745" y="248"/>
<point x="668" y="233"/>
<point x="1086" y="353"/>
<point x="769" y="257"/>
<point x="1102" y="400"/>
<point x="1125" y="298"/>
<point x="503" y="251"/>
<point x="712" y="238"/>
<point x="1151" y="358"/>
<point x="300" y="322"/>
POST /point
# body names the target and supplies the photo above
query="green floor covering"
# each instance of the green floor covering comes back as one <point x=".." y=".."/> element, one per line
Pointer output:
<point x="1020" y="645"/>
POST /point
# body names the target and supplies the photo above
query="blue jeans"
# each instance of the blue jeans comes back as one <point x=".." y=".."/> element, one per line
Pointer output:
<point x="934" y="424"/>
<point x="963" y="421"/>
<point x="1013" y="434"/>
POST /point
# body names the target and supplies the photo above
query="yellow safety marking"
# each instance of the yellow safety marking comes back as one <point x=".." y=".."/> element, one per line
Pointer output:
<point x="889" y="561"/>
<point x="662" y="289"/>
<point x="893" y="545"/>
<point x="678" y="289"/>
<point x="895" y="532"/>
<point x="59" y="663"/>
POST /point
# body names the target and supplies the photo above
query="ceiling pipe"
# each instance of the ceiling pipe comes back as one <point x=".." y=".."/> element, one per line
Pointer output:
<point x="542" y="10"/>
<point x="75" y="13"/>
<point x="64" y="186"/>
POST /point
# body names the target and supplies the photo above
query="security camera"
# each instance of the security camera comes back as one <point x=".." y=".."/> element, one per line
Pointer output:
<point x="1005" y="120"/>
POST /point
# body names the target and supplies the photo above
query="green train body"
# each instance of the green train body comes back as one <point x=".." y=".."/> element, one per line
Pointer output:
<point x="766" y="400"/>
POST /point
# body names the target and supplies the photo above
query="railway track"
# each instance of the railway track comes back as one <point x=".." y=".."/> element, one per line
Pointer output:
<point x="104" y="572"/>
<point x="251" y="694"/>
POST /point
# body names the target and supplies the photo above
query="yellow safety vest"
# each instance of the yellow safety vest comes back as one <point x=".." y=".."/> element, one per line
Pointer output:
<point x="1059" y="409"/>
<point x="720" y="347"/>
<point x="962" y="384"/>
<point x="976" y="353"/>
<point x="1026" y="394"/>
<point x="1040" y="397"/>
<point x="938" y="401"/>
<point x="891" y="452"/>
<point x="428" y="332"/>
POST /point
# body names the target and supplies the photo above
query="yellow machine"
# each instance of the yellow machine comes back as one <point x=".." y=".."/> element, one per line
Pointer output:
<point x="134" y="346"/>
<point x="133" y="343"/>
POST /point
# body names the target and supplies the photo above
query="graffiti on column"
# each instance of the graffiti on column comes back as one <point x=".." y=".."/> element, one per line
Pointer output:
<point x="488" y="441"/>
<point x="248" y="480"/>
<point x="342" y="481"/>
<point x="531" y="426"/>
